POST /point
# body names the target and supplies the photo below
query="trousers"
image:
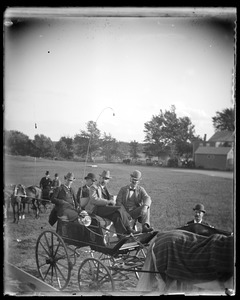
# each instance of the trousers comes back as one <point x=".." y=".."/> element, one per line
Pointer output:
<point x="117" y="215"/>
<point x="137" y="214"/>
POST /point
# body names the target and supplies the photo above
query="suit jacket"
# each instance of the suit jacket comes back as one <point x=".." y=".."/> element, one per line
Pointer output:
<point x="64" y="199"/>
<point x="83" y="192"/>
<point x="45" y="183"/>
<point x="98" y="196"/>
<point x="140" y="196"/>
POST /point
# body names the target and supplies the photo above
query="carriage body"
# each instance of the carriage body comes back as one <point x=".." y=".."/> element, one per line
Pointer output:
<point x="98" y="236"/>
<point x="108" y="261"/>
<point x="76" y="234"/>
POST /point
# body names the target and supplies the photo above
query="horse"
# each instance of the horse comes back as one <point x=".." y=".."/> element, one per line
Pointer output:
<point x="205" y="230"/>
<point x="126" y="161"/>
<point x="46" y="194"/>
<point x="16" y="201"/>
<point x="193" y="255"/>
<point x="21" y="196"/>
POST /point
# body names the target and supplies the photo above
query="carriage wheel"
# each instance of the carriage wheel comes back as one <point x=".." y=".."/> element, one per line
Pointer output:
<point x="93" y="275"/>
<point x="106" y="259"/>
<point x="52" y="260"/>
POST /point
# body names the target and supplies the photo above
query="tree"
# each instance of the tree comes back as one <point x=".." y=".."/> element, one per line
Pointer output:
<point x="65" y="147"/>
<point x="44" y="146"/>
<point x="87" y="141"/>
<point x="134" y="149"/>
<point x="17" y="143"/>
<point x="224" y="120"/>
<point x="109" y="147"/>
<point x="166" y="133"/>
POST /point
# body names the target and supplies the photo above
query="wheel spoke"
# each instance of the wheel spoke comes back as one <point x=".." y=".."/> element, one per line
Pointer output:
<point x="94" y="275"/>
<point x="44" y="248"/>
<point x="47" y="272"/>
<point x="57" y="268"/>
<point x="47" y="242"/>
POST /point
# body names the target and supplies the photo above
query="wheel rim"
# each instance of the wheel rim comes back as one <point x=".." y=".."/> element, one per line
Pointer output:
<point x="94" y="276"/>
<point x="52" y="260"/>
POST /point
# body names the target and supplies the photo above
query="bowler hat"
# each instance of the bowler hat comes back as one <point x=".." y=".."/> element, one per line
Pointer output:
<point x="105" y="174"/>
<point x="69" y="176"/>
<point x="136" y="175"/>
<point x="199" y="207"/>
<point x="91" y="176"/>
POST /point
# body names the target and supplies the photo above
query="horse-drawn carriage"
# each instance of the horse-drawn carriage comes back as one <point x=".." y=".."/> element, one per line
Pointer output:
<point x="19" y="196"/>
<point x="108" y="260"/>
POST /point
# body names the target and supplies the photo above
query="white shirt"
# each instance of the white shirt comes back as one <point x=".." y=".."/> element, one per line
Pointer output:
<point x="197" y="222"/>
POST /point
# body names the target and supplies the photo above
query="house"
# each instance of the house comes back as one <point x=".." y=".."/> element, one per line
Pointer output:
<point x="221" y="138"/>
<point x="219" y="158"/>
<point x="216" y="153"/>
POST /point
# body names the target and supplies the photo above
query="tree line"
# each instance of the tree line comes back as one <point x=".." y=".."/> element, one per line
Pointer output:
<point x="165" y="133"/>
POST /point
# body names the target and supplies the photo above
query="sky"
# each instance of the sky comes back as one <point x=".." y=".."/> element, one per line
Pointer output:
<point x="61" y="71"/>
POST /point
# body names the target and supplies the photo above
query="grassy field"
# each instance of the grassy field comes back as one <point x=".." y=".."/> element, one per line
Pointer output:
<point x="173" y="194"/>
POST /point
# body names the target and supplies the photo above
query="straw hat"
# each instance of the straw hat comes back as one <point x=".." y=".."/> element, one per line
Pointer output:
<point x="105" y="174"/>
<point x="69" y="176"/>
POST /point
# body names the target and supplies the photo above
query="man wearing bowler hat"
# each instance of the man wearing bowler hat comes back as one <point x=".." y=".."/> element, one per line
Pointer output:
<point x="83" y="192"/>
<point x="45" y="185"/>
<point x="56" y="181"/>
<point x="65" y="202"/>
<point x="199" y="212"/>
<point x="103" y="205"/>
<point x="136" y="201"/>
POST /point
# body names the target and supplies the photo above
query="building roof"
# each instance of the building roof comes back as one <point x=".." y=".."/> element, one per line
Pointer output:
<point x="213" y="150"/>
<point x="222" y="136"/>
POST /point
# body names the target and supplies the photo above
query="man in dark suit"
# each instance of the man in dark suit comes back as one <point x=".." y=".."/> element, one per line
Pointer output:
<point x="65" y="202"/>
<point x="83" y="192"/>
<point x="45" y="184"/>
<point x="136" y="201"/>
<point x="199" y="212"/>
<point x="102" y="204"/>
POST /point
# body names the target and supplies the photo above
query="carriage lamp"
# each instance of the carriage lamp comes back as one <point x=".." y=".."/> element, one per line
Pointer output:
<point x="84" y="218"/>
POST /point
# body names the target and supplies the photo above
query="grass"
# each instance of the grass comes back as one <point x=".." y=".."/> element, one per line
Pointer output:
<point x="174" y="194"/>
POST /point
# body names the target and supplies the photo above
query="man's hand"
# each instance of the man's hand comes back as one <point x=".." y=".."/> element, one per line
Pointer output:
<point x="111" y="202"/>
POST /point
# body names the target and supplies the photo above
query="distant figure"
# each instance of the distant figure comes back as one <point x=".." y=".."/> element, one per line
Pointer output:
<point x="199" y="212"/>
<point x="56" y="182"/>
<point x="45" y="185"/>
<point x="136" y="201"/>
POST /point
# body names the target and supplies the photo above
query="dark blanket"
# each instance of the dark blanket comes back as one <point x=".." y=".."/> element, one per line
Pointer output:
<point x="188" y="256"/>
